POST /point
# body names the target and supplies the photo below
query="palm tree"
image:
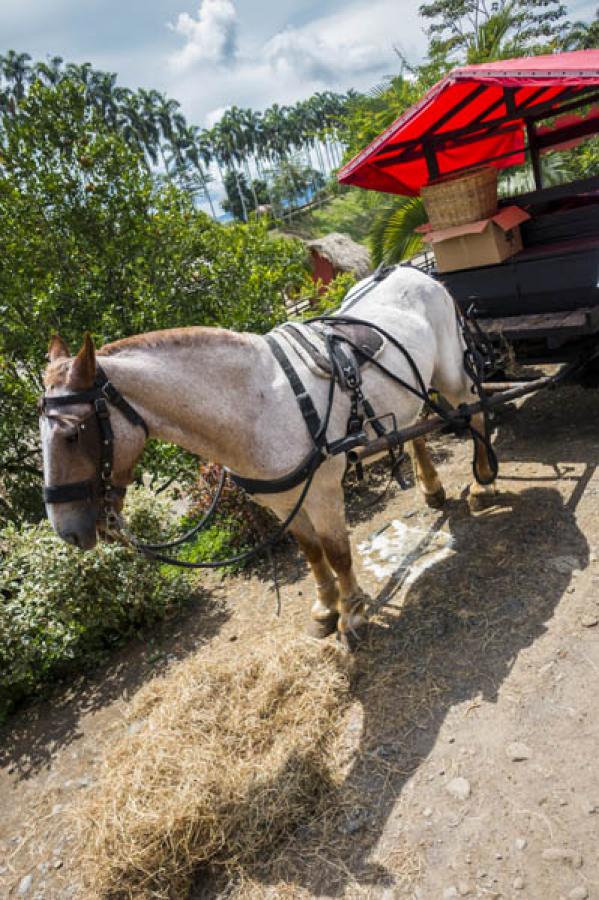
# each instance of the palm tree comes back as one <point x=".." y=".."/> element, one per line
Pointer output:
<point x="82" y="73"/>
<point x="186" y="163"/>
<point x="583" y="35"/>
<point x="16" y="72"/>
<point x="491" y="39"/>
<point x="393" y="235"/>
<point x="50" y="72"/>
<point x="107" y="97"/>
<point x="227" y="154"/>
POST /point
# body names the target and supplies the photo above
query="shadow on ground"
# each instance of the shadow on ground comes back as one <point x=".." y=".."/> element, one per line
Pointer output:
<point x="452" y="636"/>
<point x="34" y="735"/>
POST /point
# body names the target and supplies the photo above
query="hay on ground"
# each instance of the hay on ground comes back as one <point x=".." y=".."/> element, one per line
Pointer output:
<point x="225" y="760"/>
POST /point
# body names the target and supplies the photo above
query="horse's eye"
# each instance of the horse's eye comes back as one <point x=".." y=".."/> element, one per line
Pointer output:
<point x="72" y="437"/>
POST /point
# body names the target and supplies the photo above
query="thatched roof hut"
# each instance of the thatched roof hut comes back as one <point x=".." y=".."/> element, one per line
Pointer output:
<point x="335" y="253"/>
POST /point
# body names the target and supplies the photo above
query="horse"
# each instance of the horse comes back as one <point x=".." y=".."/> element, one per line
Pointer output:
<point x="223" y="396"/>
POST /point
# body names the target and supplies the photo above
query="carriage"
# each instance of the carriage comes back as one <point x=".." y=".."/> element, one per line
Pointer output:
<point x="544" y="299"/>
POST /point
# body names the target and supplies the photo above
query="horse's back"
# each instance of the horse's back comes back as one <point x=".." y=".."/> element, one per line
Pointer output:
<point x="407" y="299"/>
<point x="419" y="312"/>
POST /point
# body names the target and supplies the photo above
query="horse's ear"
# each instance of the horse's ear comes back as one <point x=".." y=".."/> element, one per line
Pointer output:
<point x="57" y="349"/>
<point x="83" y="369"/>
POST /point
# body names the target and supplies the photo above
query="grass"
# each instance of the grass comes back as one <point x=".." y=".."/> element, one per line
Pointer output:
<point x="351" y="212"/>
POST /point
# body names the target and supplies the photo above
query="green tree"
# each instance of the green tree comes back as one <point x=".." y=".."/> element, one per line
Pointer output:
<point x="367" y="115"/>
<point x="583" y="35"/>
<point x="256" y="192"/>
<point x="89" y="239"/>
<point x="458" y="28"/>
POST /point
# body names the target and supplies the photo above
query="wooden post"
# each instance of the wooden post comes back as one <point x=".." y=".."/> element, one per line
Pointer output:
<point x="535" y="158"/>
<point x="430" y="155"/>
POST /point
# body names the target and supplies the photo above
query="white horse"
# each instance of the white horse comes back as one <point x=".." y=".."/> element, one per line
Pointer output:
<point x="223" y="396"/>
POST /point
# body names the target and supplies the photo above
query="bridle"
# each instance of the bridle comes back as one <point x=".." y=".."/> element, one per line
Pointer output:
<point x="100" y="396"/>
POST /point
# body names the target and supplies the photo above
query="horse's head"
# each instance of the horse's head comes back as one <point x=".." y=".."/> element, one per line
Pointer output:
<point x="89" y="446"/>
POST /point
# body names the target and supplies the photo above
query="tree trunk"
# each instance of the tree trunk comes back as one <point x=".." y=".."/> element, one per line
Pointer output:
<point x="206" y="191"/>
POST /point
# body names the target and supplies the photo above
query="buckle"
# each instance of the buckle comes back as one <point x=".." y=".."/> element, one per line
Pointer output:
<point x="110" y="392"/>
<point x="101" y="407"/>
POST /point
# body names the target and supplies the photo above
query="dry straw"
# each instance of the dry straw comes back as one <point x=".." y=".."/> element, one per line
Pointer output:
<point x="224" y="761"/>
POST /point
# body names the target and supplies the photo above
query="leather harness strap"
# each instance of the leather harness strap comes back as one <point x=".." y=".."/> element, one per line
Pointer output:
<point x="345" y="371"/>
<point x="100" y="488"/>
<point x="308" y="410"/>
<point x="313" y="424"/>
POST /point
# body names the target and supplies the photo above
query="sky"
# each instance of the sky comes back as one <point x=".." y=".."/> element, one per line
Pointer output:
<point x="210" y="54"/>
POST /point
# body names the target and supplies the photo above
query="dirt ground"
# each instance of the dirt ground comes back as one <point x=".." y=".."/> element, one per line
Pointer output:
<point x="474" y="733"/>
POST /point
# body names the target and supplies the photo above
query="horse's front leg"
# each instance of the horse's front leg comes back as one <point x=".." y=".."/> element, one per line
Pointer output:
<point x="426" y="474"/>
<point x="324" y="612"/>
<point x="327" y="514"/>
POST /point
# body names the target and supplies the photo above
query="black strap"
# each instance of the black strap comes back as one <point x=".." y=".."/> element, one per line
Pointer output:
<point x="69" y="493"/>
<point x="69" y="399"/>
<point x="115" y="397"/>
<point x="76" y="490"/>
<point x="286" y="483"/>
<point x="308" y="410"/>
<point x="102" y="386"/>
<point x="379" y="274"/>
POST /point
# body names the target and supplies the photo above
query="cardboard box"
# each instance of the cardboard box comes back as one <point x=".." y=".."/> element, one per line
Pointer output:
<point x="482" y="243"/>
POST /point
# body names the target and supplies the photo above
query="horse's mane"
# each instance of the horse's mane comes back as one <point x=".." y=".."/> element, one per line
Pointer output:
<point x="57" y="372"/>
<point x="171" y="337"/>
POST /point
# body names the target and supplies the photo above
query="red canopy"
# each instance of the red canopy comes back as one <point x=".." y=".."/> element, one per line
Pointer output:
<point x="477" y="115"/>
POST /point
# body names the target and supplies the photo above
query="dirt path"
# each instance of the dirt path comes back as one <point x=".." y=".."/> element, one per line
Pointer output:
<point x="474" y="732"/>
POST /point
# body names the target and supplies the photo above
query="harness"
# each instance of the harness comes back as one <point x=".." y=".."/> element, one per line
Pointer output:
<point x="344" y="356"/>
<point x="98" y="445"/>
<point x="344" y="370"/>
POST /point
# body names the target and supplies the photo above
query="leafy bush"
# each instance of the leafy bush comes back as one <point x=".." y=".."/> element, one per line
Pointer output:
<point x="238" y="525"/>
<point x="326" y="299"/>
<point x="59" y="607"/>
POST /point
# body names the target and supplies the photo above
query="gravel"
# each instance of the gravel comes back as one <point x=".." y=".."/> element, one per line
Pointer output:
<point x="518" y="752"/>
<point x="561" y="854"/>
<point x="459" y="788"/>
<point x="25" y="885"/>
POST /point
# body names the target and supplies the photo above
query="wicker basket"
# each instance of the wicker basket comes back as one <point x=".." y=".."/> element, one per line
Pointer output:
<point x="466" y="198"/>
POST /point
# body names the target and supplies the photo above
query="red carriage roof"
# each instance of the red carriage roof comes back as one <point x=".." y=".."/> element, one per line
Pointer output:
<point x="477" y="115"/>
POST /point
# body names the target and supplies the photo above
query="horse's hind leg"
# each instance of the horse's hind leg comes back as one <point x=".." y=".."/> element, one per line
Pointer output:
<point x="324" y="610"/>
<point x="426" y="474"/>
<point x="479" y="493"/>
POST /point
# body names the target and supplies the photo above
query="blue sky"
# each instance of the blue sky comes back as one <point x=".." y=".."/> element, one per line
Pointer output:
<point x="209" y="54"/>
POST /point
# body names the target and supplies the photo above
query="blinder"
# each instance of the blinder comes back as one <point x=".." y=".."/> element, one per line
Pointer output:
<point x="97" y="440"/>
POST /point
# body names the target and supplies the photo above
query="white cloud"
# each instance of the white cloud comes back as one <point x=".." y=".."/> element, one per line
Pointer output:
<point x="210" y="38"/>
<point x="352" y="48"/>
<point x="341" y="45"/>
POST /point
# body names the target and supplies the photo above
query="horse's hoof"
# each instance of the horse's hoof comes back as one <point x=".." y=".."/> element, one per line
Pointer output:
<point x="322" y="628"/>
<point x="482" y="501"/>
<point x="351" y="639"/>
<point x="436" y="500"/>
